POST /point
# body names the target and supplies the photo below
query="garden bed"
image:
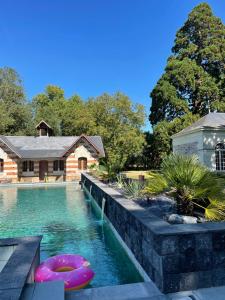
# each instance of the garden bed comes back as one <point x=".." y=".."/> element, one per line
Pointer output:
<point x="176" y="257"/>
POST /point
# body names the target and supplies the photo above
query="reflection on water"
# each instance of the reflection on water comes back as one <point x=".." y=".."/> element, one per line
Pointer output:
<point x="68" y="224"/>
<point x="8" y="198"/>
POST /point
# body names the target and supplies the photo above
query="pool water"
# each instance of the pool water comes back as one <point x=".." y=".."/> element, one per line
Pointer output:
<point x="69" y="223"/>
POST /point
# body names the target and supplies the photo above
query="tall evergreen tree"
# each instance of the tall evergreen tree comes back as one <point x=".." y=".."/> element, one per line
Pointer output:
<point x="194" y="78"/>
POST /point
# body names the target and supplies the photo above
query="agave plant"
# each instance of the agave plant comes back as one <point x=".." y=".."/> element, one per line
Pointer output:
<point x="120" y="182"/>
<point x="191" y="184"/>
<point x="133" y="189"/>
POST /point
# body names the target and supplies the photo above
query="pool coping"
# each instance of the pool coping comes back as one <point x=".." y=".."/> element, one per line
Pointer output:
<point x="132" y="291"/>
<point x="20" y="266"/>
<point x="129" y="253"/>
<point x="19" y="184"/>
<point x="176" y="257"/>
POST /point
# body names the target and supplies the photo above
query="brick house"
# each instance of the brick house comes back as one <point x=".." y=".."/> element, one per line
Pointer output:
<point x="46" y="157"/>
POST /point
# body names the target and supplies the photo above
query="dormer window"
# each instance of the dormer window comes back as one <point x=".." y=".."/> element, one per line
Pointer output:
<point x="44" y="129"/>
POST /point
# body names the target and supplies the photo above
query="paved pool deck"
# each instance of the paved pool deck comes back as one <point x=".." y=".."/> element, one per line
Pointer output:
<point x="134" y="291"/>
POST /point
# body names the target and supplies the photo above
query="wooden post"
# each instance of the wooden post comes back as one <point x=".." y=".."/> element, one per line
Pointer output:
<point x="141" y="178"/>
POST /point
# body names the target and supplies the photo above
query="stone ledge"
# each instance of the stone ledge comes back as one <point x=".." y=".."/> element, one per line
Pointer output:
<point x="176" y="257"/>
<point x="17" y="270"/>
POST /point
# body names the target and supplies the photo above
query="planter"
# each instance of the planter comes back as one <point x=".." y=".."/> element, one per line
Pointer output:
<point x="176" y="257"/>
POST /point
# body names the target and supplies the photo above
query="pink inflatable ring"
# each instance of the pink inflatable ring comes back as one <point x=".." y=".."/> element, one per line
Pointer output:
<point x="72" y="269"/>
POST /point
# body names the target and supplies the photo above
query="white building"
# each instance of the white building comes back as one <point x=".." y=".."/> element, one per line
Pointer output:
<point x="206" y="139"/>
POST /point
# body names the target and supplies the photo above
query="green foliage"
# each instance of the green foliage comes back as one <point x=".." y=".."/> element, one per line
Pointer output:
<point x="92" y="167"/>
<point x="162" y="135"/>
<point x="102" y="171"/>
<point x="119" y="124"/>
<point x="133" y="188"/>
<point x="193" y="79"/>
<point x="114" y="117"/>
<point x="156" y="184"/>
<point x="49" y="106"/>
<point x="191" y="184"/>
<point x="15" y="113"/>
<point x="120" y="181"/>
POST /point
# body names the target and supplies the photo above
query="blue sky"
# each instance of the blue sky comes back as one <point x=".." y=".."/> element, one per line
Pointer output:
<point x="92" y="46"/>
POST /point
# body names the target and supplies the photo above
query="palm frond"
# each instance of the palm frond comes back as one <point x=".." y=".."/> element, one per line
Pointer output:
<point x="156" y="184"/>
<point x="215" y="212"/>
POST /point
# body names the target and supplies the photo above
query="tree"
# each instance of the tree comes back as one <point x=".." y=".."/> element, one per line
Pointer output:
<point x="14" y="110"/>
<point x="77" y="117"/>
<point x="193" y="81"/>
<point x="50" y="106"/>
<point x="119" y="124"/>
<point x="113" y="117"/>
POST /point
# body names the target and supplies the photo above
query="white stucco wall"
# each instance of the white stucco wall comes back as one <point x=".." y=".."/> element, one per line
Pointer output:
<point x="210" y="139"/>
<point x="189" y="144"/>
<point x="206" y="143"/>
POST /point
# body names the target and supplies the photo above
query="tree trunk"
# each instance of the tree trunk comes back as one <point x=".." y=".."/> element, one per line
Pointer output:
<point x="184" y="207"/>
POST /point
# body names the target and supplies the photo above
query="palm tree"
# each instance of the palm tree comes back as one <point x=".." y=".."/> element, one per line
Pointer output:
<point x="191" y="184"/>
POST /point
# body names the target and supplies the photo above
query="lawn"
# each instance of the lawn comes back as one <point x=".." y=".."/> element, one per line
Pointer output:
<point x="135" y="174"/>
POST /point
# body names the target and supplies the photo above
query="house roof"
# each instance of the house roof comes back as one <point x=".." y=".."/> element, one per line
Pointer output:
<point x="30" y="147"/>
<point x="210" y="121"/>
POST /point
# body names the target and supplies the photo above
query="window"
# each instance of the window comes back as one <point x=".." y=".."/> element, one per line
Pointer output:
<point x="1" y="165"/>
<point x="61" y="165"/>
<point x="220" y="157"/>
<point x="58" y="165"/>
<point x="55" y="165"/>
<point x="28" y="166"/>
<point x="31" y="166"/>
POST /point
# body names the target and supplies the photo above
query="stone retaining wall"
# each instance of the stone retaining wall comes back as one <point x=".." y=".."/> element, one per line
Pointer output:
<point x="176" y="257"/>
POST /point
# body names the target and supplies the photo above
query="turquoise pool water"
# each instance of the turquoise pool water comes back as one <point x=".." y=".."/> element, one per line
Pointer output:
<point x="69" y="224"/>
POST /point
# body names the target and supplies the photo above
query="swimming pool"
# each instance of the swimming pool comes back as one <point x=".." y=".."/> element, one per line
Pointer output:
<point x="69" y="223"/>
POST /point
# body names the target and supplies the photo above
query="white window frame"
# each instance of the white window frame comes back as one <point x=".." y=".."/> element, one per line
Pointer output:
<point x="28" y="172"/>
<point x="220" y="154"/>
<point x="58" y="171"/>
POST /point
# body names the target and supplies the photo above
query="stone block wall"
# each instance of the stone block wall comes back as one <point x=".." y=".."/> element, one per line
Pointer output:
<point x="176" y="257"/>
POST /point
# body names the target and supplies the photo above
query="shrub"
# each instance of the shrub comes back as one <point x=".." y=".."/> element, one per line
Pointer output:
<point x="133" y="189"/>
<point x="120" y="181"/>
<point x="191" y="184"/>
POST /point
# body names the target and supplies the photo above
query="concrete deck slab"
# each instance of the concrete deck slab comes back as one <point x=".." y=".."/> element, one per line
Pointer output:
<point x="135" y="291"/>
<point x="40" y="291"/>
<point x="213" y="293"/>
